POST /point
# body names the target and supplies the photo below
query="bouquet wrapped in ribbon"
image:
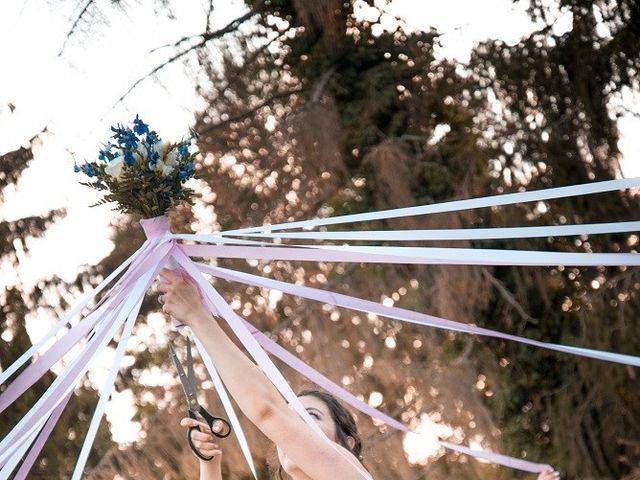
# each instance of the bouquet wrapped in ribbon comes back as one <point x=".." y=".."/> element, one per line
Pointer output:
<point x="141" y="173"/>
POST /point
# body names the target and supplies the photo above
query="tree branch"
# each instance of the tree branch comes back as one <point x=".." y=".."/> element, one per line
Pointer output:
<point x="74" y="26"/>
<point x="208" y="26"/>
<point x="205" y="37"/>
<point x="508" y="297"/>
<point x="243" y="115"/>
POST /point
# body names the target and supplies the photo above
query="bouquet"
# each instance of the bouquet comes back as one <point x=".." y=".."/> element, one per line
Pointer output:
<point x="142" y="173"/>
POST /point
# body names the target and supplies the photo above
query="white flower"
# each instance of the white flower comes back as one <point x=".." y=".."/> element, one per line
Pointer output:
<point x="171" y="158"/>
<point x="141" y="150"/>
<point x="114" y="169"/>
<point x="166" y="170"/>
<point x="161" y="147"/>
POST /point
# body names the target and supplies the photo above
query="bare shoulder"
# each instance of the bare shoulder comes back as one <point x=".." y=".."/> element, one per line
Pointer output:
<point x="319" y="457"/>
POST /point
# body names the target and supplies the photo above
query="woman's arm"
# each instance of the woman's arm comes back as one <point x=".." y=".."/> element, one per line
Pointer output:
<point x="256" y="396"/>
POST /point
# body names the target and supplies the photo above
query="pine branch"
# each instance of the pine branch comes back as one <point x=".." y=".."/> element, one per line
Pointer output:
<point x="205" y="38"/>
<point x="75" y="25"/>
<point x="508" y="297"/>
<point x="248" y="113"/>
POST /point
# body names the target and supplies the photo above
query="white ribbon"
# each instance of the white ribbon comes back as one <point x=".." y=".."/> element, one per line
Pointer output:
<point x="67" y="318"/>
<point x="450" y="234"/>
<point x="226" y="403"/>
<point x="7" y="446"/>
<point x="456" y="205"/>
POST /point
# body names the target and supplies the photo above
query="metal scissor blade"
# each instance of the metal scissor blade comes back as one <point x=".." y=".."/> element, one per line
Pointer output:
<point x="187" y="384"/>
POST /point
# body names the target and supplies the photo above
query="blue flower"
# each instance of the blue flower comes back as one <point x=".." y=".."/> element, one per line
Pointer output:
<point x="183" y="149"/>
<point x="125" y="137"/>
<point x="155" y="156"/>
<point x="88" y="170"/>
<point x="129" y="159"/>
<point x="140" y="127"/>
<point x="152" y="138"/>
<point x="76" y="168"/>
<point x="104" y="153"/>
<point x="186" y="171"/>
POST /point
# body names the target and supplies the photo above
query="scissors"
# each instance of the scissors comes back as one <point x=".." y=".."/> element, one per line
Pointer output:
<point x="194" y="408"/>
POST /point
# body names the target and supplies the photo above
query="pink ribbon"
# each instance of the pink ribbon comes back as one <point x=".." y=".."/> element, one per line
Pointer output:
<point x="339" y="392"/>
<point x="403" y="314"/>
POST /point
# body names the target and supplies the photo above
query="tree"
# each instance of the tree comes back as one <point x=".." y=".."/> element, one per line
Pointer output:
<point x="16" y="305"/>
<point x="558" y="127"/>
<point x="314" y="111"/>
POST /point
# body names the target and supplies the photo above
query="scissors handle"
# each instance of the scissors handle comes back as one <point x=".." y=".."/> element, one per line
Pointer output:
<point x="225" y="429"/>
<point x="211" y="420"/>
<point x="194" y="449"/>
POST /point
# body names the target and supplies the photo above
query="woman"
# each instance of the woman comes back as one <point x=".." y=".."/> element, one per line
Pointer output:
<point x="302" y="452"/>
<point x="332" y="418"/>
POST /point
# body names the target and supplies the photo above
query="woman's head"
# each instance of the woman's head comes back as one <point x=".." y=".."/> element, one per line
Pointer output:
<point x="334" y="420"/>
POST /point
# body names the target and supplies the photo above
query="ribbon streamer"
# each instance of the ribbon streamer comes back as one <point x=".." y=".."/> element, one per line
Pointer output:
<point x="449" y="234"/>
<point x="367" y="306"/>
<point x="413" y="255"/>
<point x="456" y="205"/>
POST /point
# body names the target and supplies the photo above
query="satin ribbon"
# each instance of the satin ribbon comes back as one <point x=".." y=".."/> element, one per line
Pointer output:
<point x="339" y="392"/>
<point x="456" y="205"/>
<point x="446" y="234"/>
<point x="359" y="304"/>
<point x="413" y="255"/>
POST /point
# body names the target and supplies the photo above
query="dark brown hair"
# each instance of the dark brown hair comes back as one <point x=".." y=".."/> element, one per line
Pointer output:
<point x="345" y="427"/>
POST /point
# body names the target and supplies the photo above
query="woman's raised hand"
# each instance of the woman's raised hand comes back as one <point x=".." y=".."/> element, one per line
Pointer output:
<point x="180" y="298"/>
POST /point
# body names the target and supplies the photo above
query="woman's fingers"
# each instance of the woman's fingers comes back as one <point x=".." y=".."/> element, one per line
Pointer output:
<point x="201" y="436"/>
<point x="210" y="453"/>
<point x="190" y="422"/>
<point x="217" y="426"/>
<point x="169" y="275"/>
<point x="203" y="432"/>
<point x="549" y="475"/>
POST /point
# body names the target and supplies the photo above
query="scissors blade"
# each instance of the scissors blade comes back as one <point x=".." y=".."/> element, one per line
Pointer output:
<point x="187" y="385"/>
<point x="191" y="378"/>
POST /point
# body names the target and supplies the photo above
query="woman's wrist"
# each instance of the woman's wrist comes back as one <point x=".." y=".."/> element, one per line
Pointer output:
<point x="211" y="470"/>
<point x="199" y="319"/>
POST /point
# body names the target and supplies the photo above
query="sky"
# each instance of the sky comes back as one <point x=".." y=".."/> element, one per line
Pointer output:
<point x="73" y="95"/>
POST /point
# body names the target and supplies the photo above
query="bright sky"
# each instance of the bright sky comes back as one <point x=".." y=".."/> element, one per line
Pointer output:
<point x="73" y="96"/>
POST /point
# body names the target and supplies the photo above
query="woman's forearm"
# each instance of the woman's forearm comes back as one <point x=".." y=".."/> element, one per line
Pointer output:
<point x="254" y="393"/>
<point x="211" y="470"/>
